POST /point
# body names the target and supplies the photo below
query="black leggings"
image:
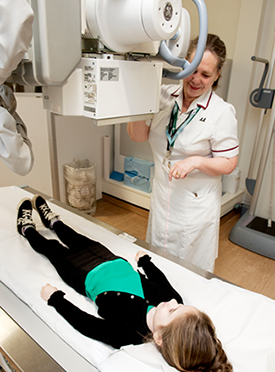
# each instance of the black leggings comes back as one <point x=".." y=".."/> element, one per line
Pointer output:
<point x="74" y="261"/>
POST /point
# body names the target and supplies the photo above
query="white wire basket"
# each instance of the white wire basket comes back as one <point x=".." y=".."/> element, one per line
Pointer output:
<point x="80" y="185"/>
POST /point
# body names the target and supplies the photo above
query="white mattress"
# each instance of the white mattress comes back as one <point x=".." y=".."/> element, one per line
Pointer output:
<point x="245" y="321"/>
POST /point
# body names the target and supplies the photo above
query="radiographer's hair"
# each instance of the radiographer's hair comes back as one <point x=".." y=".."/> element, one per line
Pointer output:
<point x="189" y="343"/>
<point x="214" y="45"/>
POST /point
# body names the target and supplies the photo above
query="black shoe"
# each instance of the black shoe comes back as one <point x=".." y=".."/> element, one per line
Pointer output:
<point x="46" y="214"/>
<point x="24" y="216"/>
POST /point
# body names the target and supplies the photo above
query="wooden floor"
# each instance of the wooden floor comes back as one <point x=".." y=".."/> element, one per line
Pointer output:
<point x="235" y="264"/>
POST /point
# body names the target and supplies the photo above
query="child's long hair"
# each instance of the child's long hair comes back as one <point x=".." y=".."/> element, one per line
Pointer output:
<point x="189" y="343"/>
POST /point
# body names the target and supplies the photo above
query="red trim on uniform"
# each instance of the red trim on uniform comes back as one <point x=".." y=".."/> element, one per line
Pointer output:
<point x="174" y="94"/>
<point x="207" y="104"/>
<point x="204" y="107"/>
<point x="233" y="148"/>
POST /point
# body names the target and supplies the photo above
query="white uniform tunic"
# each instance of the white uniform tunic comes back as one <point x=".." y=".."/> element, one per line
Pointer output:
<point x="16" y="17"/>
<point x="185" y="213"/>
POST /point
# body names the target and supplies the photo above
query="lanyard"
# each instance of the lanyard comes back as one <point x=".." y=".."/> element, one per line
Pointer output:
<point x="172" y="132"/>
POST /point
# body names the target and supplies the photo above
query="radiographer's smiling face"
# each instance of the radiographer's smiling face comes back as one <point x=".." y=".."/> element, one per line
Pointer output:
<point x="203" y="78"/>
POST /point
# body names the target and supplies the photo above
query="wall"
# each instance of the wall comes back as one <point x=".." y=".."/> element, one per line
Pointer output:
<point x="265" y="205"/>
<point x="30" y="108"/>
<point x="223" y="17"/>
<point x="256" y="36"/>
<point x="78" y="137"/>
<point x="246" y="26"/>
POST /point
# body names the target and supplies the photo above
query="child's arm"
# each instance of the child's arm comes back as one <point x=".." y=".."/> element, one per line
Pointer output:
<point x="87" y="324"/>
<point x="151" y="271"/>
<point x="47" y="291"/>
<point x="154" y="274"/>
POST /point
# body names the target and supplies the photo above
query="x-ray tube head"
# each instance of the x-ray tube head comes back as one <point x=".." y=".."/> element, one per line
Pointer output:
<point x="121" y="25"/>
<point x="96" y="58"/>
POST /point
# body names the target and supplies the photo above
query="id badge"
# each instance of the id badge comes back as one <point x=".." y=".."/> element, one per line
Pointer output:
<point x="166" y="164"/>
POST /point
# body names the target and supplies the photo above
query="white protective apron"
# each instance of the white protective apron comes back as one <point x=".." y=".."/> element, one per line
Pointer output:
<point x="185" y="213"/>
<point x="185" y="223"/>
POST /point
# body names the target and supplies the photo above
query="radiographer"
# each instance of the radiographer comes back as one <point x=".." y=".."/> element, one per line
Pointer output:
<point x="16" y="18"/>
<point x="194" y="142"/>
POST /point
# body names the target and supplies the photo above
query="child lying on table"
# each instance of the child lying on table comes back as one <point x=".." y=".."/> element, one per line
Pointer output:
<point x="134" y="308"/>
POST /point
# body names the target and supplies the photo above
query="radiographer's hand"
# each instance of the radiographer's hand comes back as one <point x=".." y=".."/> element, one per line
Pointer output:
<point x="213" y="166"/>
<point x="181" y="168"/>
<point x="47" y="291"/>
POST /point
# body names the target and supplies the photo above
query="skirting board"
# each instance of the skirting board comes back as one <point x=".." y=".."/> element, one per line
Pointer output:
<point x="142" y="199"/>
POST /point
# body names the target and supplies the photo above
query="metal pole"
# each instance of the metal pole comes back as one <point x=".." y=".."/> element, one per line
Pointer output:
<point x="53" y="155"/>
<point x="262" y="164"/>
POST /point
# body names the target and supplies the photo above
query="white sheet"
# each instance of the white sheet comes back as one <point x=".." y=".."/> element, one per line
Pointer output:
<point x="245" y="321"/>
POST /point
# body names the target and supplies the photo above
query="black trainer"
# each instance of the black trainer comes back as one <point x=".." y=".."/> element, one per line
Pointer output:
<point x="46" y="214"/>
<point x="24" y="216"/>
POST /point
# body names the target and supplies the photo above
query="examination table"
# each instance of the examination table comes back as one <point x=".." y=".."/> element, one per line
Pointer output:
<point x="245" y="321"/>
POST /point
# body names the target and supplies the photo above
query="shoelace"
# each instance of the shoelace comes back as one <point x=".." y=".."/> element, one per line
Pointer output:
<point x="26" y="218"/>
<point x="47" y="212"/>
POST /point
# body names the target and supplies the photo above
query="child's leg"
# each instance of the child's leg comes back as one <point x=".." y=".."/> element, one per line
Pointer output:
<point x="58" y="255"/>
<point x="59" y="258"/>
<point x="45" y="246"/>
<point x="72" y="239"/>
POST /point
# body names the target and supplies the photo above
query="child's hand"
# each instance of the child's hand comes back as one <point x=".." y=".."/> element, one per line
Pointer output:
<point x="139" y="255"/>
<point x="47" y="291"/>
